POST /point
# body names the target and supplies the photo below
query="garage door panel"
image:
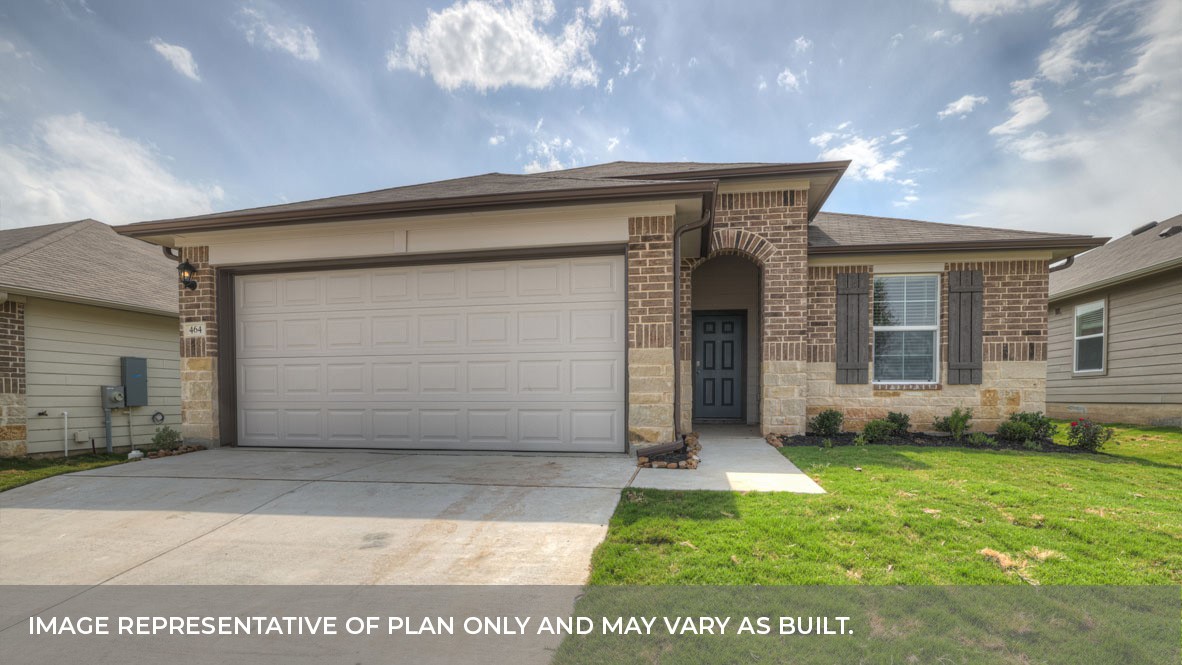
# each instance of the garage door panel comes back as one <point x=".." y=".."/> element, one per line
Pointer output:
<point x="525" y="355"/>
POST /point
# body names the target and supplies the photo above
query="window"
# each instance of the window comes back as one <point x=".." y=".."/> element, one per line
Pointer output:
<point x="1089" y="337"/>
<point x="906" y="324"/>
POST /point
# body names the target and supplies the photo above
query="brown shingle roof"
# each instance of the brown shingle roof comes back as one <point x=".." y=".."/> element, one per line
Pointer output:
<point x="837" y="232"/>
<point x="648" y="169"/>
<point x="87" y="261"/>
<point x="1122" y="259"/>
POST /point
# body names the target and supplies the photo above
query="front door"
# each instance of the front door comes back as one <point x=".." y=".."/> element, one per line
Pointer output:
<point x="718" y="366"/>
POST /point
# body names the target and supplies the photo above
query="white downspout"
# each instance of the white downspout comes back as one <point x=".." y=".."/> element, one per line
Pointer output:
<point x="66" y="433"/>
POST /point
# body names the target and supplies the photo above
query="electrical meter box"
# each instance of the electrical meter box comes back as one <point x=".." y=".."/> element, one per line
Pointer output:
<point x="113" y="397"/>
<point x="135" y="380"/>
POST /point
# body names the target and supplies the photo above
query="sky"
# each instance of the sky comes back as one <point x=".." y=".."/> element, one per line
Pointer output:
<point x="1050" y="115"/>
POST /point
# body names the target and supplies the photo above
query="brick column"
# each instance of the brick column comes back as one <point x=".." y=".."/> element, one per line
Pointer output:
<point x="199" y="379"/>
<point x="686" y="417"/>
<point x="650" y="329"/>
<point x="13" y="429"/>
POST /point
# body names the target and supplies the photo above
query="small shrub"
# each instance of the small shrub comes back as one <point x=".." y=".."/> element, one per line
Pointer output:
<point x="900" y="421"/>
<point x="827" y="443"/>
<point x="982" y="439"/>
<point x="1032" y="444"/>
<point x="955" y="424"/>
<point x="877" y="431"/>
<point x="1014" y="431"/>
<point x="166" y="438"/>
<point x="860" y="440"/>
<point x="827" y="423"/>
<point x="1088" y="435"/>
<point x="1041" y="425"/>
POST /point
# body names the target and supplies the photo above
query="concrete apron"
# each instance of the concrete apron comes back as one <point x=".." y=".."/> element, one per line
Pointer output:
<point x="734" y="458"/>
<point x="243" y="516"/>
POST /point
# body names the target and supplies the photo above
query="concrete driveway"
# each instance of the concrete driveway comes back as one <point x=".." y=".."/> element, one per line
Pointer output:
<point x="241" y="516"/>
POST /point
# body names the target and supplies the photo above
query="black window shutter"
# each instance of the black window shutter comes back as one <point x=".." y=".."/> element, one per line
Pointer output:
<point x="853" y="327"/>
<point x="966" y="313"/>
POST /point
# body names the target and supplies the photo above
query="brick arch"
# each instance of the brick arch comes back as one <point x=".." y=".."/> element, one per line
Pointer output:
<point x="738" y="242"/>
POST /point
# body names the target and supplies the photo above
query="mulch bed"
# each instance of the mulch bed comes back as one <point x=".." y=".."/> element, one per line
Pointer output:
<point x="155" y="454"/>
<point x="924" y="440"/>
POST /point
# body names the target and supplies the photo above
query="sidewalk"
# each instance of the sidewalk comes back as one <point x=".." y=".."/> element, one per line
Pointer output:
<point x="734" y="458"/>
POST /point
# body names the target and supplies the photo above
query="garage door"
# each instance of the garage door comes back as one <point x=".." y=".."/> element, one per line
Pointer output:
<point x="511" y="355"/>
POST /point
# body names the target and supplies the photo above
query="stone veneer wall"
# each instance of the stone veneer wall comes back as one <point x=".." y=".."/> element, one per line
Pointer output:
<point x="650" y="329"/>
<point x="771" y="228"/>
<point x="13" y="429"/>
<point x="1014" y="352"/>
<point x="199" y="380"/>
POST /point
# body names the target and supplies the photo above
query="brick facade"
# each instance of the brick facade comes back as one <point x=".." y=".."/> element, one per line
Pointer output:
<point x="1013" y="352"/>
<point x="650" y="329"/>
<point x="13" y="413"/>
<point x="199" y="381"/>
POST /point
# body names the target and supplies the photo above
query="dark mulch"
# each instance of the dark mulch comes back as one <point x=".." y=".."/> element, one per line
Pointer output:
<point x="926" y="440"/>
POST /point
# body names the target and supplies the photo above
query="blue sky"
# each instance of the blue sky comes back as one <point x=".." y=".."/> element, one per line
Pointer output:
<point x="1057" y="115"/>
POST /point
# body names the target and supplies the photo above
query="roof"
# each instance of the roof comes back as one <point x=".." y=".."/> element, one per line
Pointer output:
<point x="1143" y="252"/>
<point x="87" y="261"/>
<point x="603" y="182"/>
<point x="837" y="233"/>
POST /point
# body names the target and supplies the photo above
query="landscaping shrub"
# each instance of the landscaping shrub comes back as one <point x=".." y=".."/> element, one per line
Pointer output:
<point x="982" y="439"/>
<point x="900" y="421"/>
<point x="166" y="438"/>
<point x="877" y="431"/>
<point x="1041" y="425"/>
<point x="955" y="424"/>
<point x="827" y="423"/>
<point x="1015" y="431"/>
<point x="1088" y="435"/>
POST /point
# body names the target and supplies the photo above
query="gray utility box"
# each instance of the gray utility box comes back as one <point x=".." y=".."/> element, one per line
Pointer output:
<point x="135" y="380"/>
<point x="113" y="397"/>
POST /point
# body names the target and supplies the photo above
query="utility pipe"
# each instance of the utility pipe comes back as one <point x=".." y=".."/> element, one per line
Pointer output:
<point x="701" y="223"/>
<point x="66" y="433"/>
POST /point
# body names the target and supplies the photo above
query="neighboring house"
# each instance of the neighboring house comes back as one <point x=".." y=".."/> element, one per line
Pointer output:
<point x="74" y="299"/>
<point x="540" y="312"/>
<point x="1115" y="351"/>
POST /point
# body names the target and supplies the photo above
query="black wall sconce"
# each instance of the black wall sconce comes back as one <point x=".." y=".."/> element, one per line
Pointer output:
<point x="188" y="275"/>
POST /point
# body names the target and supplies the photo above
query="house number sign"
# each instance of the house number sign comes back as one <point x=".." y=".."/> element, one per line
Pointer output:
<point x="195" y="329"/>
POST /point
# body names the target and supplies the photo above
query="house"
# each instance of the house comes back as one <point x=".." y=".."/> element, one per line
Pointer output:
<point x="552" y="311"/>
<point x="75" y="299"/>
<point x="1115" y="347"/>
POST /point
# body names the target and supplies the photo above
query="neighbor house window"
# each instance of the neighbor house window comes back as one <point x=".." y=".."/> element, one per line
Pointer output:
<point x="1089" y="337"/>
<point x="906" y="324"/>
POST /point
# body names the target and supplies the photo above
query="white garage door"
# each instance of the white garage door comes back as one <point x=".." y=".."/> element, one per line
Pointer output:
<point x="511" y="355"/>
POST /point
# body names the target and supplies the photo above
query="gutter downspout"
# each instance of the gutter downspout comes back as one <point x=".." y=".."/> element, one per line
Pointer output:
<point x="168" y="252"/>
<point x="1066" y="264"/>
<point x="702" y="223"/>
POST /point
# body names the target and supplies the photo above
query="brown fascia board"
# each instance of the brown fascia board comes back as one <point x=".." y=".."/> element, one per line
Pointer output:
<point x="247" y="219"/>
<point x="1069" y="242"/>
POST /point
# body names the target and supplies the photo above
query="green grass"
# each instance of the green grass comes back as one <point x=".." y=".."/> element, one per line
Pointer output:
<point x="920" y="516"/>
<point x="15" y="472"/>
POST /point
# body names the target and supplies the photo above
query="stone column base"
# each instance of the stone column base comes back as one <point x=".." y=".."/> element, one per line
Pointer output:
<point x="650" y="395"/>
<point x="784" y="397"/>
<point x="13" y="429"/>
<point x="199" y="401"/>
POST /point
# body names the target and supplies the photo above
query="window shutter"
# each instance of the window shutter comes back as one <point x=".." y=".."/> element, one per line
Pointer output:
<point x="853" y="327"/>
<point x="966" y="313"/>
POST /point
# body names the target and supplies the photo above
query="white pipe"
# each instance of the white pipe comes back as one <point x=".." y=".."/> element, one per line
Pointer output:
<point x="66" y="432"/>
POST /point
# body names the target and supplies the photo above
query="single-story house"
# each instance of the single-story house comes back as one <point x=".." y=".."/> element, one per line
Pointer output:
<point x="75" y="299"/>
<point x="554" y="311"/>
<point x="1115" y="348"/>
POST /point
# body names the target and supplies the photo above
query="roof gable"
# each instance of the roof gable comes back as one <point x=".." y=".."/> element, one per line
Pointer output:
<point x="1125" y="258"/>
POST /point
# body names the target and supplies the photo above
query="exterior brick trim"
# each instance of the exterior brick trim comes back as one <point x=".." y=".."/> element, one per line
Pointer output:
<point x="13" y="380"/>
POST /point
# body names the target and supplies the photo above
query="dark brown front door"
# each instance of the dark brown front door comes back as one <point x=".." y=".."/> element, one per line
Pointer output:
<point x="718" y="366"/>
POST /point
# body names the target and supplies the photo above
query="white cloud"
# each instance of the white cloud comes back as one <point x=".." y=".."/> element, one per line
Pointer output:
<point x="964" y="217"/>
<point x="787" y="80"/>
<point x="496" y="139"/>
<point x="905" y="201"/>
<point x="976" y="9"/>
<point x="802" y="44"/>
<point x="296" y="40"/>
<point x="612" y="143"/>
<point x="550" y="152"/>
<point x="603" y="8"/>
<point x="489" y="45"/>
<point x="943" y="36"/>
<point x="1026" y="111"/>
<point x="178" y="56"/>
<point x="1023" y="87"/>
<point x="870" y="160"/>
<point x="1066" y="16"/>
<point x="962" y="106"/>
<point x="74" y="168"/>
<point x="610" y="86"/>
<point x="1158" y="55"/>
<point x="761" y="84"/>
<point x="1039" y="147"/>
<point x="896" y="39"/>
<point x="1063" y="59"/>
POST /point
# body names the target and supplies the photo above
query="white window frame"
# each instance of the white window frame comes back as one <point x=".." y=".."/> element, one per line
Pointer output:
<point x="935" y="329"/>
<point x="1103" y="335"/>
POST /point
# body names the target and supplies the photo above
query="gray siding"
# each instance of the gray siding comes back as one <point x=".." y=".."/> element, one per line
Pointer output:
<point x="72" y="349"/>
<point x="1143" y="346"/>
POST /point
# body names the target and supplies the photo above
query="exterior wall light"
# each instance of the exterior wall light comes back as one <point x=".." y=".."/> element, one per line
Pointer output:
<point x="188" y="275"/>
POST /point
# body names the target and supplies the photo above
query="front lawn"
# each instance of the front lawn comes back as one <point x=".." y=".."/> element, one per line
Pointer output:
<point x="915" y="515"/>
<point x="15" y="472"/>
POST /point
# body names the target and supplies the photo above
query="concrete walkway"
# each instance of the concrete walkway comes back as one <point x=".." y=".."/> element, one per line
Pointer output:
<point x="734" y="458"/>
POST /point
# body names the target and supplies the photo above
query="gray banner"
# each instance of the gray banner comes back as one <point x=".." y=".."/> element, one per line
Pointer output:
<point x="540" y="624"/>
